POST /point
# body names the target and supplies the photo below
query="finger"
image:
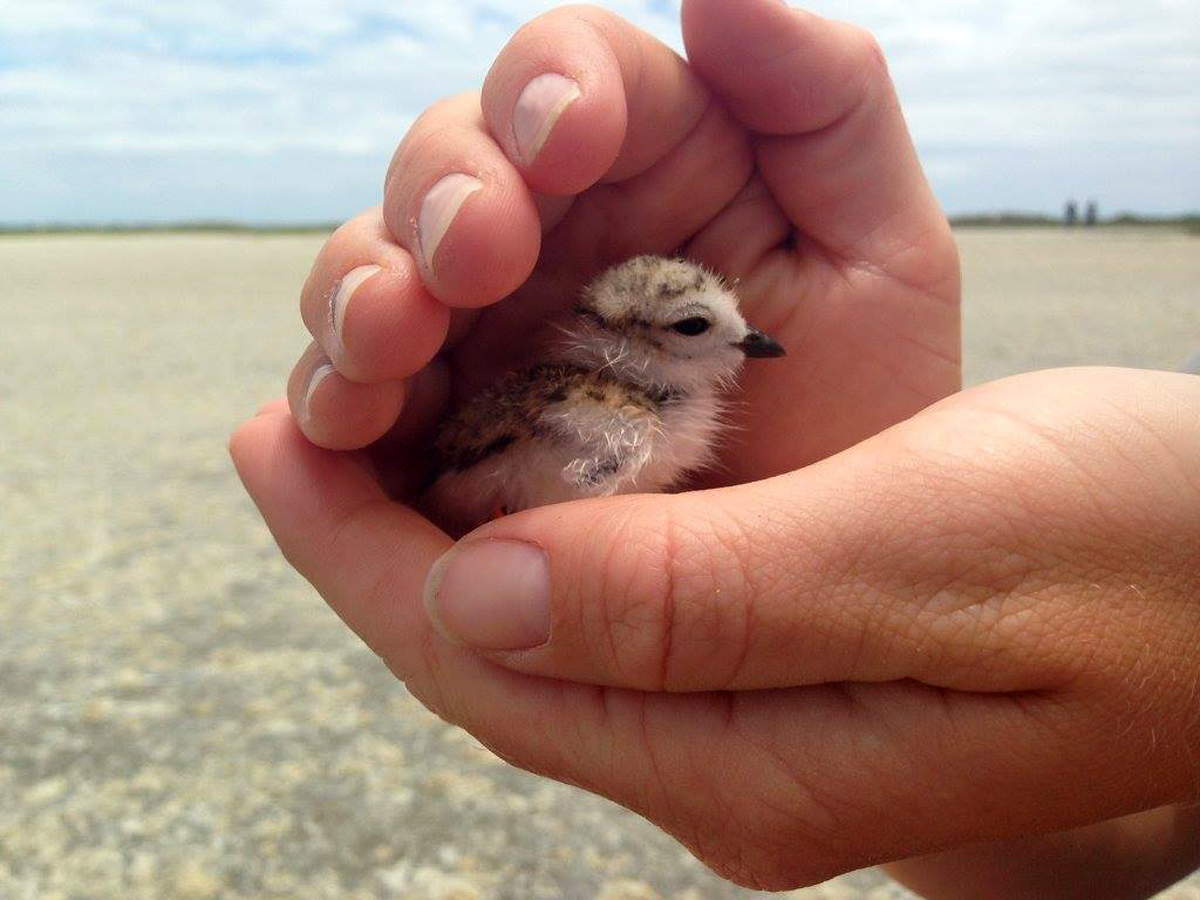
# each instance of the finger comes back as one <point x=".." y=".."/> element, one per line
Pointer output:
<point x="762" y="786"/>
<point x="336" y="413"/>
<point x="459" y="207"/>
<point x="368" y="557"/>
<point x="834" y="147"/>
<point x="955" y="550"/>
<point x="661" y="208"/>
<point x="307" y="496"/>
<point x="579" y="95"/>
<point x="366" y="307"/>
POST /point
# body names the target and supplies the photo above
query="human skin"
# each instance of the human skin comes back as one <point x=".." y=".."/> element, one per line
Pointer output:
<point x="902" y="624"/>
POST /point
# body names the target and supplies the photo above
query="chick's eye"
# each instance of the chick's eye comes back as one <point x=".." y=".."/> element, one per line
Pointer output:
<point x="693" y="326"/>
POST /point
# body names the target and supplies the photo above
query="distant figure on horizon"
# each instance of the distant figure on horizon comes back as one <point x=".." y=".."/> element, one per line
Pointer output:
<point x="1071" y="215"/>
<point x="1092" y="217"/>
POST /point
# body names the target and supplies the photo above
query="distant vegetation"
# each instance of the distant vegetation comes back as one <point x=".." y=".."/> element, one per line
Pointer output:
<point x="196" y="227"/>
<point x="1189" y="223"/>
<point x="1005" y="220"/>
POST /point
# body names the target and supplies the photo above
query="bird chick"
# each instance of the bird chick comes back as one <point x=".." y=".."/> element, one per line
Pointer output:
<point x="628" y="402"/>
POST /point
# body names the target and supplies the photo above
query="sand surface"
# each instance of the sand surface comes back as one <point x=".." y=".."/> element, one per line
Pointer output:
<point x="182" y="717"/>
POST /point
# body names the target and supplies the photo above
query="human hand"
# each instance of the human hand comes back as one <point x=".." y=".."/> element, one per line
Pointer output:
<point x="1135" y="856"/>
<point x="813" y="198"/>
<point x="778" y="155"/>
<point x="976" y="625"/>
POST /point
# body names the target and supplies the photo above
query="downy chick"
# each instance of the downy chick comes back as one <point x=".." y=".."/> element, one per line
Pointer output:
<point x="627" y="403"/>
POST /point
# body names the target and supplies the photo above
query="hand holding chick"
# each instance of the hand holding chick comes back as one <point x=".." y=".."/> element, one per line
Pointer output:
<point x="840" y="656"/>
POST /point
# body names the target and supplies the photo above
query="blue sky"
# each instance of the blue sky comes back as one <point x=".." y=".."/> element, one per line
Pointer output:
<point x="272" y="111"/>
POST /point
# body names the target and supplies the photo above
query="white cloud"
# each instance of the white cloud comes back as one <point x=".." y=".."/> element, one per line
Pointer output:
<point x="265" y="109"/>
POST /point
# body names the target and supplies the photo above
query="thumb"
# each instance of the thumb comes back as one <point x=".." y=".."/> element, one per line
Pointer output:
<point x="982" y="568"/>
<point x="874" y="565"/>
<point x="779" y="583"/>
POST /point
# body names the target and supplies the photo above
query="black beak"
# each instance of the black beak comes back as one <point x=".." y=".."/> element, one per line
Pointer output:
<point x="757" y="345"/>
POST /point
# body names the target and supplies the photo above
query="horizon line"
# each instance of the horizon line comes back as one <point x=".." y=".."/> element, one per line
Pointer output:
<point x="1188" y="219"/>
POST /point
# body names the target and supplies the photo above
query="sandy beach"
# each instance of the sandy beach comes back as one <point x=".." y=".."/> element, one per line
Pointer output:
<point x="180" y="714"/>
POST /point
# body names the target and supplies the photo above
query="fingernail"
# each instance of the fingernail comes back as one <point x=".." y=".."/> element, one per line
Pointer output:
<point x="439" y="208"/>
<point x="538" y="109"/>
<point x="491" y="595"/>
<point x="319" y="374"/>
<point x="343" y="293"/>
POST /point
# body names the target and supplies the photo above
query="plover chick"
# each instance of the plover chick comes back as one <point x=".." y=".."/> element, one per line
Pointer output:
<point x="628" y="402"/>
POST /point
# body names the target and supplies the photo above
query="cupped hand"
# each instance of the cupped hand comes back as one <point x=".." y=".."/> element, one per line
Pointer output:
<point x="977" y="625"/>
<point x="777" y="154"/>
<point x="952" y="632"/>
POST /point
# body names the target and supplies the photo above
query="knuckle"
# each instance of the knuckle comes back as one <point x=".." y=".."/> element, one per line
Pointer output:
<point x="865" y="70"/>
<point x="443" y="111"/>
<point x="426" y="140"/>
<point x="629" y="617"/>
<point x="434" y="134"/>
<point x="345" y="234"/>
<point x="713" y="592"/>
<point x="318" y="276"/>
<point x="870" y="54"/>
<point x="675" y="610"/>
<point x="344" y="245"/>
<point x="421" y="673"/>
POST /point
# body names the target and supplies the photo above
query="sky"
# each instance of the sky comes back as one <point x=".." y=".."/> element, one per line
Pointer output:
<point x="266" y="111"/>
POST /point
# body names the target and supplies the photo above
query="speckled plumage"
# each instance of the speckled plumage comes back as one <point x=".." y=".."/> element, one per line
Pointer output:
<point x="514" y="409"/>
<point x="627" y="402"/>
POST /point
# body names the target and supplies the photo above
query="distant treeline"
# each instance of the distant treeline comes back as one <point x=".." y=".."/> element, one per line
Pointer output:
<point x="215" y="226"/>
<point x="1189" y="222"/>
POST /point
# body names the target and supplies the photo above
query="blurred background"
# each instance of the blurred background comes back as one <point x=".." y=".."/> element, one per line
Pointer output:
<point x="287" y="112"/>
<point x="180" y="715"/>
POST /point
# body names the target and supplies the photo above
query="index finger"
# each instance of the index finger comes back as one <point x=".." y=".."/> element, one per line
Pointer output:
<point x="579" y="95"/>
